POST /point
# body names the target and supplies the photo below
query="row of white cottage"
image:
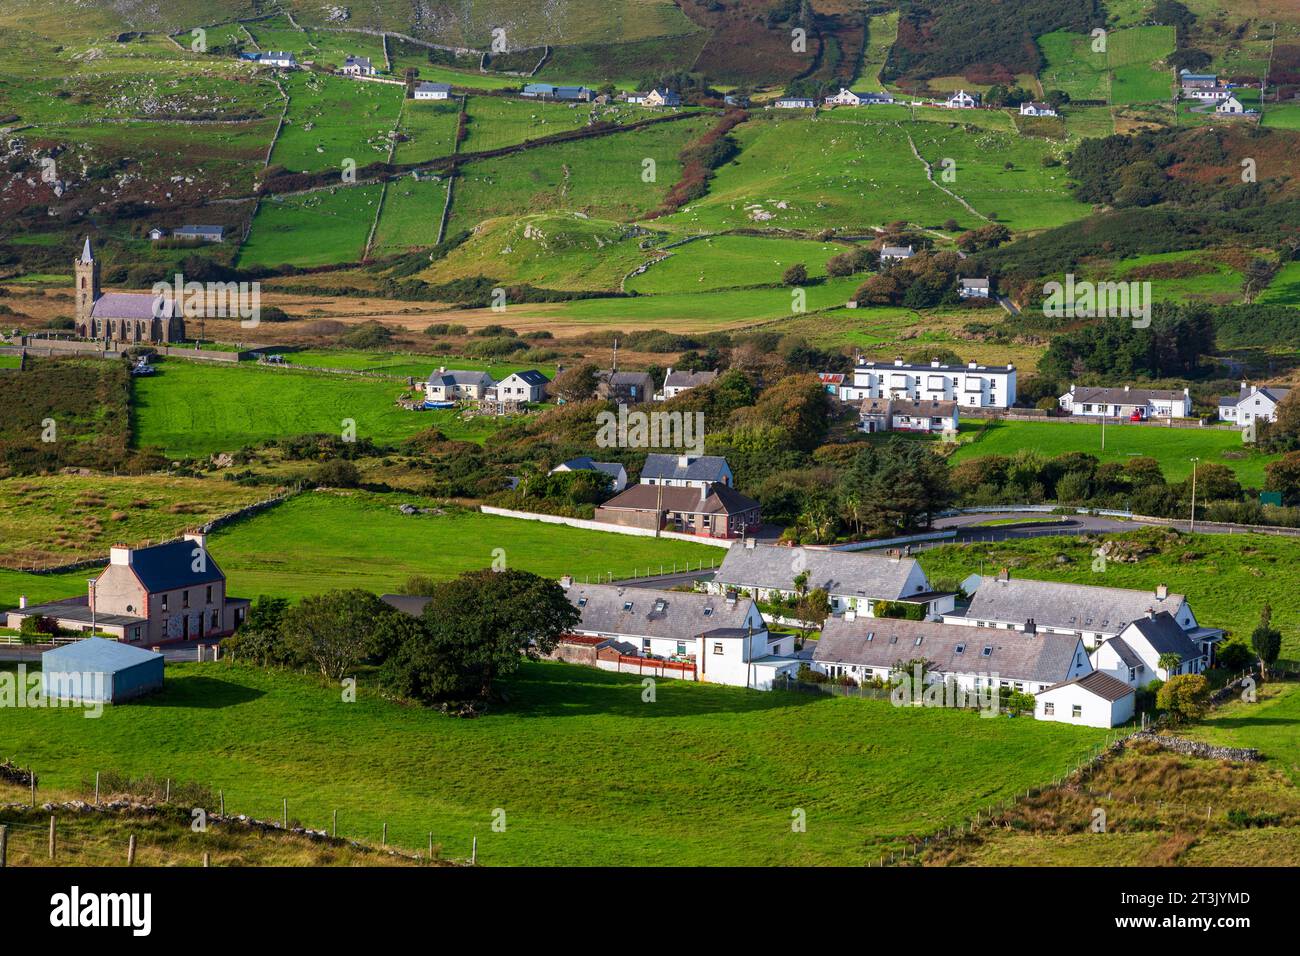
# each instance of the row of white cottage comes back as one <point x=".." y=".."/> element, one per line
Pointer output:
<point x="1082" y="650"/>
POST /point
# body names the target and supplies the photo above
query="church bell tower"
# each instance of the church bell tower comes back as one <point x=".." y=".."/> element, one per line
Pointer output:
<point x="86" y="271"/>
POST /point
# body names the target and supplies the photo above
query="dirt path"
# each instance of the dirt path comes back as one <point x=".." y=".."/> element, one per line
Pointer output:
<point x="929" y="174"/>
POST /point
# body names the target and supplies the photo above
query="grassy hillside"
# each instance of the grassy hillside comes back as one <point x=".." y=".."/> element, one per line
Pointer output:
<point x="338" y="221"/>
<point x="583" y="769"/>
<point x="719" y="262"/>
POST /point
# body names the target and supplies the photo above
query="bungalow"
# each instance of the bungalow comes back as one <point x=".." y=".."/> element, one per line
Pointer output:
<point x="1197" y="80"/>
<point x="201" y="233"/>
<point x="1133" y="655"/>
<point x="1019" y="660"/>
<point x="853" y="98"/>
<point x="896" y="254"/>
<point x="712" y="510"/>
<point x="677" y="382"/>
<point x="1252" y="403"/>
<point x="685" y="471"/>
<point x="457" y="385"/>
<point x="625" y="388"/>
<point x="975" y="288"/>
<point x="1094" y="614"/>
<point x="734" y="99"/>
<point x="278" y="58"/>
<point x="961" y="100"/>
<point x="1127" y="403"/>
<point x="1230" y="105"/>
<point x="1033" y="108"/>
<point x="358" y="66"/>
<point x="907" y="415"/>
<point x="526" y="386"/>
<point x="1207" y="94"/>
<point x="433" y="91"/>
<point x="853" y="581"/>
<point x="148" y="595"/>
<point x="1093" y="700"/>
<point x="724" y="638"/>
<point x="549" y="91"/>
<point x="616" y="472"/>
<point x="795" y="103"/>
<point x="659" y="96"/>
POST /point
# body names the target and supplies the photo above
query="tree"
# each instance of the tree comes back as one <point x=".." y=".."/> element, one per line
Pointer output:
<point x="1284" y="475"/>
<point x="1266" y="640"/>
<point x="1184" y="696"/>
<point x="813" y="608"/>
<point x="337" y="473"/>
<point x="576" y="384"/>
<point x="1259" y="273"/>
<point x="1234" y="655"/>
<point x="260" y="638"/>
<point x="797" y="274"/>
<point x="337" y="630"/>
<point x="485" y="622"/>
<point x="1169" y="661"/>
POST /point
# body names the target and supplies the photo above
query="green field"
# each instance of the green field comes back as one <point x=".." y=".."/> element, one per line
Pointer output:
<point x="720" y="262"/>
<point x="1269" y="726"/>
<point x="1138" y="74"/>
<point x="430" y="131"/>
<point x="882" y="31"/>
<point x="410" y="217"/>
<point x="494" y="121"/>
<point x="361" y="540"/>
<point x="333" y="119"/>
<point x="192" y="409"/>
<point x="600" y="177"/>
<point x="1172" y="447"/>
<point x="338" y="221"/>
<point x="1072" y="66"/>
<point x="1285" y="287"/>
<point x="585" y="772"/>
<point x="1227" y="578"/>
<point x="419" y="366"/>
<point x="1283" y="116"/>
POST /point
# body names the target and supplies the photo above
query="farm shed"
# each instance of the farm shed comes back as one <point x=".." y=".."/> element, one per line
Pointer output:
<point x="98" y="669"/>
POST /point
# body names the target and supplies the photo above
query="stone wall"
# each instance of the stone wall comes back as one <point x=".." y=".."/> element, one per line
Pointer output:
<point x="1197" y="748"/>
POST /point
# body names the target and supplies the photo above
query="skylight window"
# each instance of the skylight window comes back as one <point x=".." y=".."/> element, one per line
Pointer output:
<point x="582" y="602"/>
<point x="708" y="611"/>
<point x="988" y="650"/>
<point x="961" y="648"/>
<point x="627" y="605"/>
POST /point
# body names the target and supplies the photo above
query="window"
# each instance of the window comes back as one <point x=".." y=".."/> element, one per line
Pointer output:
<point x="164" y="602"/>
<point x="216" y="620"/>
<point x="582" y="602"/>
<point x="209" y="601"/>
<point x="681" y="647"/>
<point x="1049" y="709"/>
<point x="627" y="605"/>
<point x="961" y="648"/>
<point x="1076" y="710"/>
<point x="717" y="648"/>
<point x="645" y="644"/>
<point x="918" y="642"/>
<point x="185" y="599"/>
<point x="660" y="604"/>
<point x="708" y="611"/>
<point x="988" y="650"/>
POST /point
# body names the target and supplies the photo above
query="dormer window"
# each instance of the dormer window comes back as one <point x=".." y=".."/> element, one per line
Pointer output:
<point x="988" y="651"/>
<point x="582" y="602"/>
<point x="627" y="605"/>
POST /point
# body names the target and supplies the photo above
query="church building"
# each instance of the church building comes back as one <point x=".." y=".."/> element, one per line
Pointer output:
<point x="122" y="318"/>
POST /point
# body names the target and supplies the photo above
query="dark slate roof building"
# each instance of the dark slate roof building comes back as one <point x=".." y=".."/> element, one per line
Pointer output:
<point x="766" y="567"/>
<point x="692" y="470"/>
<point x="203" y="233"/>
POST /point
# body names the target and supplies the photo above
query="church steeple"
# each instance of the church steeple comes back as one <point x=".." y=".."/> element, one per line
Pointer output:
<point x="85" y="270"/>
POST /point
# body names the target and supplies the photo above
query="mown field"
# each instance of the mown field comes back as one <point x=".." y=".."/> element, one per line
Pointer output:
<point x="567" y="761"/>
<point x="1172" y="447"/>
<point x="720" y="262"/>
<point x="1227" y="578"/>
<point x="411" y="213"/>
<point x="59" y="518"/>
<point x="332" y="119"/>
<point x="337" y="220"/>
<point x="419" y="366"/>
<point x="362" y="540"/>
<point x="1138" y="74"/>
<point x="430" y="130"/>
<point x="190" y="409"/>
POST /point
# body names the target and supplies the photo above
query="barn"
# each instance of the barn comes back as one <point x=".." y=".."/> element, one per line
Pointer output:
<point x="98" y="669"/>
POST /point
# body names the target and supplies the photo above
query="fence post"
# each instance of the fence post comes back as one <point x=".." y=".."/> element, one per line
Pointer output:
<point x="96" y="788"/>
<point x="4" y="844"/>
<point x="33" y="776"/>
<point x="221" y="794"/>
<point x="52" y="838"/>
<point x="473" y="853"/>
<point x="207" y="859"/>
<point x="284" y="816"/>
<point x="335" y="831"/>
<point x="430" y="846"/>
<point x="168" y="797"/>
<point x="385" y="840"/>
<point x="130" y="851"/>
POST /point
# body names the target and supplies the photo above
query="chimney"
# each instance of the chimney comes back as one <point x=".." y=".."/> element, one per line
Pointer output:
<point x="704" y="492"/>
<point x="1151" y="613"/>
<point x="850" y="614"/>
<point x="22" y="601"/>
<point x="119" y="554"/>
<point x="934" y="363"/>
<point x="669" y="372"/>
<point x="566" y="581"/>
<point x="898" y="361"/>
<point x="683" y="461"/>
<point x="442" y="369"/>
<point x="1004" y="574"/>
<point x="1162" y="592"/>
<point x="1031" y="627"/>
<point x="972" y="364"/>
<point x="198" y="537"/>
<point x="1126" y="388"/>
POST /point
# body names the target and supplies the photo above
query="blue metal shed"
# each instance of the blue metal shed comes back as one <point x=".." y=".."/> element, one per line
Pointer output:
<point x="101" y="670"/>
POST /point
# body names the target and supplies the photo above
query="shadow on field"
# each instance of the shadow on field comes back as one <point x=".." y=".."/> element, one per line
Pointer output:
<point x="570" y="690"/>
<point x="198" y="693"/>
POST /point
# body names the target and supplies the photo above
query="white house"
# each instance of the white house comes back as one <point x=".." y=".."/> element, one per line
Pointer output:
<point x="616" y="472"/>
<point x="1133" y="655"/>
<point x="975" y="288"/>
<point x="961" y="100"/>
<point x="1093" y="700"/>
<point x="1193" y="81"/>
<point x="1036" y="109"/>
<point x="896" y="254"/>
<point x="853" y="581"/>
<point x="1094" y="614"/>
<point x="724" y="638"/>
<point x="795" y="103"/>
<point x="278" y="58"/>
<point x="1230" y="105"/>
<point x="686" y="471"/>
<point x="677" y="382"/>
<point x="973" y="658"/>
<point x="982" y="386"/>
<point x="433" y="91"/>
<point x="1253" y="403"/>
<point x="1207" y="94"/>
<point x="1127" y="403"/>
<point x="526" y="386"/>
<point x="358" y="66"/>
<point x="659" y="96"/>
<point x="456" y="385"/>
<point x="853" y="98"/>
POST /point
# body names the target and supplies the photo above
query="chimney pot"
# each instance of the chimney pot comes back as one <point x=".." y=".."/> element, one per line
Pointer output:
<point x="22" y="601"/>
<point x="1162" y="592"/>
<point x="566" y="581"/>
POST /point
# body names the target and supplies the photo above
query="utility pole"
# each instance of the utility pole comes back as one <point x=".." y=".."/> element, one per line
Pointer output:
<point x="1193" y="522"/>
<point x="91" y="582"/>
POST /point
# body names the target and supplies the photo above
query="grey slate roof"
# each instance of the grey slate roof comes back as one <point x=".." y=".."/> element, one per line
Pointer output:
<point x="460" y="377"/>
<point x="688" y="379"/>
<point x="629" y="386"/>
<point x="166" y="567"/>
<point x="839" y="572"/>
<point x="1080" y="607"/>
<point x="532" y="377"/>
<point x="186" y="232"/>
<point x="132" y="305"/>
<point x="406" y="603"/>
<point x="714" y="498"/>
<point x="78" y="609"/>
<point x="1165" y="636"/>
<point x="645" y="612"/>
<point x="1126" y="653"/>
<point x="427" y="87"/>
<point x="692" y="468"/>
<point x="1013" y="655"/>
<point x="1099" y="683"/>
<point x="1129" y="396"/>
<point x="1269" y="391"/>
